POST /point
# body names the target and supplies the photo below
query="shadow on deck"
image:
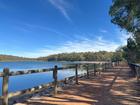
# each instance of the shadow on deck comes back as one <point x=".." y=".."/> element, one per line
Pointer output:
<point x="115" y="87"/>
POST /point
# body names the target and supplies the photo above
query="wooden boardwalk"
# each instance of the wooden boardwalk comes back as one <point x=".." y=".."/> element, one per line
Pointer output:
<point x="115" y="87"/>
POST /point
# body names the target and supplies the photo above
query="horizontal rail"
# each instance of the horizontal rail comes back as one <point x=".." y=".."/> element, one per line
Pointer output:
<point x="15" y="73"/>
<point x="135" y="64"/>
<point x="90" y="62"/>
<point x="7" y="73"/>
<point x="36" y="88"/>
<point x="135" y="69"/>
<point x="23" y="72"/>
<point x="30" y="90"/>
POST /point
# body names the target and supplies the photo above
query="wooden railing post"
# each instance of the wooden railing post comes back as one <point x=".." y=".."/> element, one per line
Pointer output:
<point x="55" y="79"/>
<point x="137" y="73"/>
<point x="105" y="66"/>
<point x="5" y="86"/>
<point x="87" y="71"/>
<point x="95" y="69"/>
<point x="111" y="64"/>
<point x="118" y="62"/>
<point x="76" y="74"/>
<point x="108" y="65"/>
<point x="100" y="68"/>
<point x="65" y="81"/>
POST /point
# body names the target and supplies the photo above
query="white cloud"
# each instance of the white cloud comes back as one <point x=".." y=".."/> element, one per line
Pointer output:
<point x="63" y="6"/>
<point x="83" y="45"/>
<point x="80" y="44"/>
<point x="103" y="31"/>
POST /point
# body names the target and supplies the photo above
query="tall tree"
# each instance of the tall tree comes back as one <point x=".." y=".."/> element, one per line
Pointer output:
<point x="126" y="14"/>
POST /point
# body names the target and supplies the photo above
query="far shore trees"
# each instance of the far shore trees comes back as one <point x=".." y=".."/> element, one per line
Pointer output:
<point x="86" y="56"/>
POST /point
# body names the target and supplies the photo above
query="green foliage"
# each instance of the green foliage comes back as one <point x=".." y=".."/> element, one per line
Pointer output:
<point x="126" y="14"/>
<point x="82" y="56"/>
<point x="85" y="56"/>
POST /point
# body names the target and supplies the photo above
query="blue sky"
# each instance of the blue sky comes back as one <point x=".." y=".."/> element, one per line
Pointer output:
<point x="33" y="28"/>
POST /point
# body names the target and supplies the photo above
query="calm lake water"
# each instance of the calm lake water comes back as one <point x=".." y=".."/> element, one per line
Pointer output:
<point x="30" y="80"/>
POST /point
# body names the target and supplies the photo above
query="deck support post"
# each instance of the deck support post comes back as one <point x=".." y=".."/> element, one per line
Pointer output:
<point x="87" y="71"/>
<point x="76" y="74"/>
<point x="105" y="66"/>
<point x="95" y="69"/>
<point x="5" y="86"/>
<point x="55" y="79"/>
<point x="137" y="73"/>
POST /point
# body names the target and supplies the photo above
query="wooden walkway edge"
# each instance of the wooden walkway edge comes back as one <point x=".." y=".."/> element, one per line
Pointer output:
<point x="115" y="87"/>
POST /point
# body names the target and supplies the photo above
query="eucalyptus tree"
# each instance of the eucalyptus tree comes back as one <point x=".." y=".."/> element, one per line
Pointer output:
<point x="126" y="14"/>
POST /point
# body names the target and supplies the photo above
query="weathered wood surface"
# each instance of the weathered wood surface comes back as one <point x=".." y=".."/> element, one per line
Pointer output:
<point x="5" y="83"/>
<point x="30" y="90"/>
<point x="55" y="79"/>
<point x="15" y="73"/>
<point x="76" y="74"/>
<point x="87" y="68"/>
<point x="37" y="88"/>
<point x="23" y="72"/>
<point x="91" y="62"/>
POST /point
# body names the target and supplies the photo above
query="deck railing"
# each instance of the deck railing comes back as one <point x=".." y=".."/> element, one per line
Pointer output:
<point x="7" y="73"/>
<point x="135" y="69"/>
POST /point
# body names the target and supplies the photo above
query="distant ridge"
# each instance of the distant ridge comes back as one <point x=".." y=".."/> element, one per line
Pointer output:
<point x="13" y="58"/>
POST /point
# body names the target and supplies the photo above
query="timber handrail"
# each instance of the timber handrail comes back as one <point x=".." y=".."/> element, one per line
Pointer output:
<point x="21" y="72"/>
<point x="135" y="68"/>
<point x="7" y="73"/>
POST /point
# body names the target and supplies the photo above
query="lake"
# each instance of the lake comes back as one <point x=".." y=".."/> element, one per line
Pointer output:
<point x="30" y="80"/>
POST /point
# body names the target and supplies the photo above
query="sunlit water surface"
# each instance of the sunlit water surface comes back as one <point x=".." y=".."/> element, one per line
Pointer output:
<point x="30" y="80"/>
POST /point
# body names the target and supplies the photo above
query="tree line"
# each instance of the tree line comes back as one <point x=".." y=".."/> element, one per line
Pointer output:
<point x="81" y="56"/>
<point x="85" y="56"/>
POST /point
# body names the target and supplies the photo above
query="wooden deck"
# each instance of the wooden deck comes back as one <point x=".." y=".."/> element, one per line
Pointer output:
<point x="115" y="87"/>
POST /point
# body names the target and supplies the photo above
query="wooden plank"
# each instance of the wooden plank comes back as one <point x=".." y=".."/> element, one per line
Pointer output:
<point x="76" y="74"/>
<point x="67" y="67"/>
<point x="15" y="73"/>
<point x="95" y="69"/>
<point x="5" y="86"/>
<point x="90" y="62"/>
<point x="55" y="79"/>
<point x="30" y="90"/>
<point x="36" y="88"/>
<point x="138" y="73"/>
<point x="87" y="71"/>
